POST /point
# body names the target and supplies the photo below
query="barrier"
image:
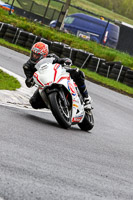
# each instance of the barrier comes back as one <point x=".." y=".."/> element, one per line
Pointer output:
<point x="66" y="52"/>
<point x="128" y="79"/>
<point x="80" y="58"/>
<point x="57" y="47"/>
<point x="3" y="28"/>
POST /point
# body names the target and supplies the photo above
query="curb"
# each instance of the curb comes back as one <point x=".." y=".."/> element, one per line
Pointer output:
<point x="20" y="96"/>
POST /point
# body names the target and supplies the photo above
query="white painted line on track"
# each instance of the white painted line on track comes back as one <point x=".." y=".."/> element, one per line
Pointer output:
<point x="22" y="107"/>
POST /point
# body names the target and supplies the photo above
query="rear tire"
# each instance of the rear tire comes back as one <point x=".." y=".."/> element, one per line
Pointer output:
<point x="61" y="113"/>
<point x="88" y="122"/>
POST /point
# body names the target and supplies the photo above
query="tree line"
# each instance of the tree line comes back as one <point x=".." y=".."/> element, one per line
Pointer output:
<point x="122" y="7"/>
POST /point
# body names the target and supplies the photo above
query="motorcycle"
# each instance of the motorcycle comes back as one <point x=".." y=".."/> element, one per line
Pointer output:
<point x="61" y="96"/>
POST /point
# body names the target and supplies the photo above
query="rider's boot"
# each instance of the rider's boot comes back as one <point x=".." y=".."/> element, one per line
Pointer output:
<point x="86" y="98"/>
<point x="87" y="103"/>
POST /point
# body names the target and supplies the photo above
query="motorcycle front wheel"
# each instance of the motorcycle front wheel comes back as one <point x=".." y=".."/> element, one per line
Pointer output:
<point x="88" y="122"/>
<point x="61" y="113"/>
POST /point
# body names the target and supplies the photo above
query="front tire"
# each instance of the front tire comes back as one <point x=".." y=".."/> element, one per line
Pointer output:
<point x="88" y="122"/>
<point x="61" y="113"/>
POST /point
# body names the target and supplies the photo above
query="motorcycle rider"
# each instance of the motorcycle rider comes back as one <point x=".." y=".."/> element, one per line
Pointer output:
<point x="40" y="51"/>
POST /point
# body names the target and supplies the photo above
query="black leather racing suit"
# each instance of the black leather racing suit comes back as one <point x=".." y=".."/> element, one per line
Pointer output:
<point x="77" y="75"/>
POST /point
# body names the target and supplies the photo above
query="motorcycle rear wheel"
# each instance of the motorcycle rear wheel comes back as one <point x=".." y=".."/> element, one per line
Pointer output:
<point x="61" y="113"/>
<point x="88" y="122"/>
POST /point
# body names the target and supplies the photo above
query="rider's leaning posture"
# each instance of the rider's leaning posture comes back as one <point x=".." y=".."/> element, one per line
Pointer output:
<point x="40" y="51"/>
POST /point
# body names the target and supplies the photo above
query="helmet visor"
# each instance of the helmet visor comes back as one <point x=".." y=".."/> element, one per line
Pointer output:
<point x="35" y="57"/>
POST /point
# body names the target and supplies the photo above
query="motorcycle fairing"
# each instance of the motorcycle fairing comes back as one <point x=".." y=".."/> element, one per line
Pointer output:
<point x="49" y="74"/>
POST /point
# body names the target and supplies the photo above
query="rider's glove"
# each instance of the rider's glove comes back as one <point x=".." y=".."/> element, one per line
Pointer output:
<point x="29" y="82"/>
<point x="67" y="62"/>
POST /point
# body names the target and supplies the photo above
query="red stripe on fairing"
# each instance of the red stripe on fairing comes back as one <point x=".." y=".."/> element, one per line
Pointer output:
<point x="55" y="69"/>
<point x="65" y="77"/>
<point x="36" y="76"/>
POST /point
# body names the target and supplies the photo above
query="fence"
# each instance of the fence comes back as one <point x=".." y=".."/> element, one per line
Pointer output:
<point x="80" y="58"/>
<point x="47" y="12"/>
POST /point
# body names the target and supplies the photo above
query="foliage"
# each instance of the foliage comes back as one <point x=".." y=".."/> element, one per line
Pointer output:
<point x="122" y="7"/>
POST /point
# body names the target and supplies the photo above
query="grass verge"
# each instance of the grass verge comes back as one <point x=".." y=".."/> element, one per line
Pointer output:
<point x="108" y="83"/>
<point x="8" y="82"/>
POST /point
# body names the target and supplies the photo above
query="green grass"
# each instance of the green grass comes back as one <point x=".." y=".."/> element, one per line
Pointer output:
<point x="8" y="82"/>
<point x="109" y="83"/>
<point x="51" y="34"/>
<point x="14" y="47"/>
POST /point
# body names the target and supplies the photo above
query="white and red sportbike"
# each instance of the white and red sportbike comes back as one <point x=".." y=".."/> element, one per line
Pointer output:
<point x="61" y="96"/>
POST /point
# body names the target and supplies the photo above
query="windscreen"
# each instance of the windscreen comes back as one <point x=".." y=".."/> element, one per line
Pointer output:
<point x="68" y="20"/>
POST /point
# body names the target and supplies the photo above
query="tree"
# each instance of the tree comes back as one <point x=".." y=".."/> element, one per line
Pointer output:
<point x="63" y="14"/>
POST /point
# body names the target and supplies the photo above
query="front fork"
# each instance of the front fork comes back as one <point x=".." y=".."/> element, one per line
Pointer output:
<point x="46" y="91"/>
<point x="63" y="98"/>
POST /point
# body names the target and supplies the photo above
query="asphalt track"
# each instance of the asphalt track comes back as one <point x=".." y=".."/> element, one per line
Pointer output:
<point x="41" y="161"/>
